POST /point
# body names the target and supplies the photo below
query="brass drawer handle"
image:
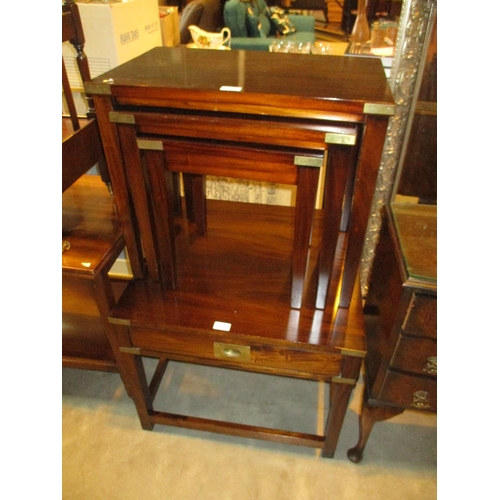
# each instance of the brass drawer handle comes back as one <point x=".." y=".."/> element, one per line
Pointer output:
<point x="421" y="400"/>
<point x="432" y="365"/>
<point x="231" y="352"/>
<point x="234" y="352"/>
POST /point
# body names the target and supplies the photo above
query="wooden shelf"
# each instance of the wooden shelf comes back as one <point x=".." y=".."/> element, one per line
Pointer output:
<point x="91" y="228"/>
<point x="239" y="273"/>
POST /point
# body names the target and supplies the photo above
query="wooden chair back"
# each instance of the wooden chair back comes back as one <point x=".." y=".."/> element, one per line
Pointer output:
<point x="81" y="142"/>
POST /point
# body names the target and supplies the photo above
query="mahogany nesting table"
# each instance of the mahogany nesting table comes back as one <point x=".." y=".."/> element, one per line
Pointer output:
<point x="251" y="115"/>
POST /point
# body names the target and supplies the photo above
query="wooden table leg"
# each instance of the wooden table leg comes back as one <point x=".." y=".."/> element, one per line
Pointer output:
<point x="307" y="185"/>
<point x="133" y="375"/>
<point x="340" y="161"/>
<point x="195" y="196"/>
<point x="366" y="180"/>
<point x="124" y="206"/>
<point x="340" y="393"/>
<point x="163" y="198"/>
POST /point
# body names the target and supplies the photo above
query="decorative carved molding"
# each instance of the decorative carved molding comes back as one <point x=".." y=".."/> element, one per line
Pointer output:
<point x="415" y="22"/>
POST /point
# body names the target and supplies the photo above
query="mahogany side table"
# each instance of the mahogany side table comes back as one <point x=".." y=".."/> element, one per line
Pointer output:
<point x="248" y="115"/>
<point x="230" y="311"/>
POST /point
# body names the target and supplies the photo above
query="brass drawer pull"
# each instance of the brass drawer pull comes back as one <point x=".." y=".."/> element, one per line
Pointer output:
<point x="234" y="352"/>
<point x="231" y="353"/>
<point x="431" y="366"/>
<point x="421" y="400"/>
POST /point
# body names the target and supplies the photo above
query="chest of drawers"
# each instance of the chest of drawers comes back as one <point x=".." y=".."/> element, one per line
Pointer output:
<point x="401" y="320"/>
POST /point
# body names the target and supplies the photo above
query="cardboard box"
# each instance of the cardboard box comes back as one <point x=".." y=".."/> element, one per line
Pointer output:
<point x="115" y="32"/>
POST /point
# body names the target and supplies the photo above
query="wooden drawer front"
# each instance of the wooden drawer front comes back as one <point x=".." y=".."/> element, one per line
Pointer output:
<point x="421" y="318"/>
<point x="417" y="393"/>
<point x="230" y="352"/>
<point x="416" y="354"/>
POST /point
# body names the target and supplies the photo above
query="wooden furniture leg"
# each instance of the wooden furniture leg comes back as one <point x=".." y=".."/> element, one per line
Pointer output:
<point x="307" y="185"/>
<point x="370" y="414"/>
<point x="123" y="201"/>
<point x="195" y="196"/>
<point x="339" y="162"/>
<point x="134" y="376"/>
<point x="163" y="203"/>
<point x="366" y="178"/>
<point x="340" y="393"/>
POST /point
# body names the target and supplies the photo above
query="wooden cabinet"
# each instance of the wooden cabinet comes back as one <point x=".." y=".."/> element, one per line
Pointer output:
<point x="401" y="319"/>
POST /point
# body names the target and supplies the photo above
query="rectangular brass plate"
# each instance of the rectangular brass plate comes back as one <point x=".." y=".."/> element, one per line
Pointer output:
<point x="148" y="144"/>
<point x="130" y="350"/>
<point x="308" y="161"/>
<point x="126" y="118"/>
<point x="379" y="109"/>
<point x="97" y="88"/>
<point x="231" y="352"/>
<point x="345" y="139"/>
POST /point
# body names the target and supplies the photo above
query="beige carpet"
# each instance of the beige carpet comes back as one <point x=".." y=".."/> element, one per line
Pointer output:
<point x="106" y="454"/>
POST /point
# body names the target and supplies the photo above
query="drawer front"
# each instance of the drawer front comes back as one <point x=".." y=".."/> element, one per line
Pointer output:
<point x="421" y="318"/>
<point x="415" y="354"/>
<point x="234" y="352"/>
<point x="412" y="392"/>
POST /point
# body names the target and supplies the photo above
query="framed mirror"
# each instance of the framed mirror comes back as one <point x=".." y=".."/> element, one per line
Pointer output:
<point x="408" y="169"/>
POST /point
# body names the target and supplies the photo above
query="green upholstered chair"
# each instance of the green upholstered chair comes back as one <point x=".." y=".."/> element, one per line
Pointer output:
<point x="252" y="28"/>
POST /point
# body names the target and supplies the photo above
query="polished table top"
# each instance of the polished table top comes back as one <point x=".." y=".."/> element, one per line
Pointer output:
<point x="289" y="80"/>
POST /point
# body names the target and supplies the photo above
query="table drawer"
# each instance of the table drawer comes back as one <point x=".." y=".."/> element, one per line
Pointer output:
<point x="230" y="352"/>
<point x="415" y="354"/>
<point x="413" y="392"/>
<point x="421" y="318"/>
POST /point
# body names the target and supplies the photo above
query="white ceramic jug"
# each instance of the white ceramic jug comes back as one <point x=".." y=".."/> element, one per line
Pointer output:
<point x="206" y="40"/>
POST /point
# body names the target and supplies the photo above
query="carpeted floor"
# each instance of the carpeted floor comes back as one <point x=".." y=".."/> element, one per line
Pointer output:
<point x="106" y="454"/>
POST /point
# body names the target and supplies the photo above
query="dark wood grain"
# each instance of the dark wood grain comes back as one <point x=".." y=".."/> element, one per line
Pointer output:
<point x="366" y="177"/>
<point x="240" y="274"/>
<point x="82" y="147"/>
<point x="288" y="101"/>
<point x="337" y="202"/>
<point x="123" y="202"/>
<point x="283" y="84"/>
<point x="91" y="226"/>
<point x="400" y="314"/>
<point x="219" y="282"/>
<point x="180" y="117"/>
